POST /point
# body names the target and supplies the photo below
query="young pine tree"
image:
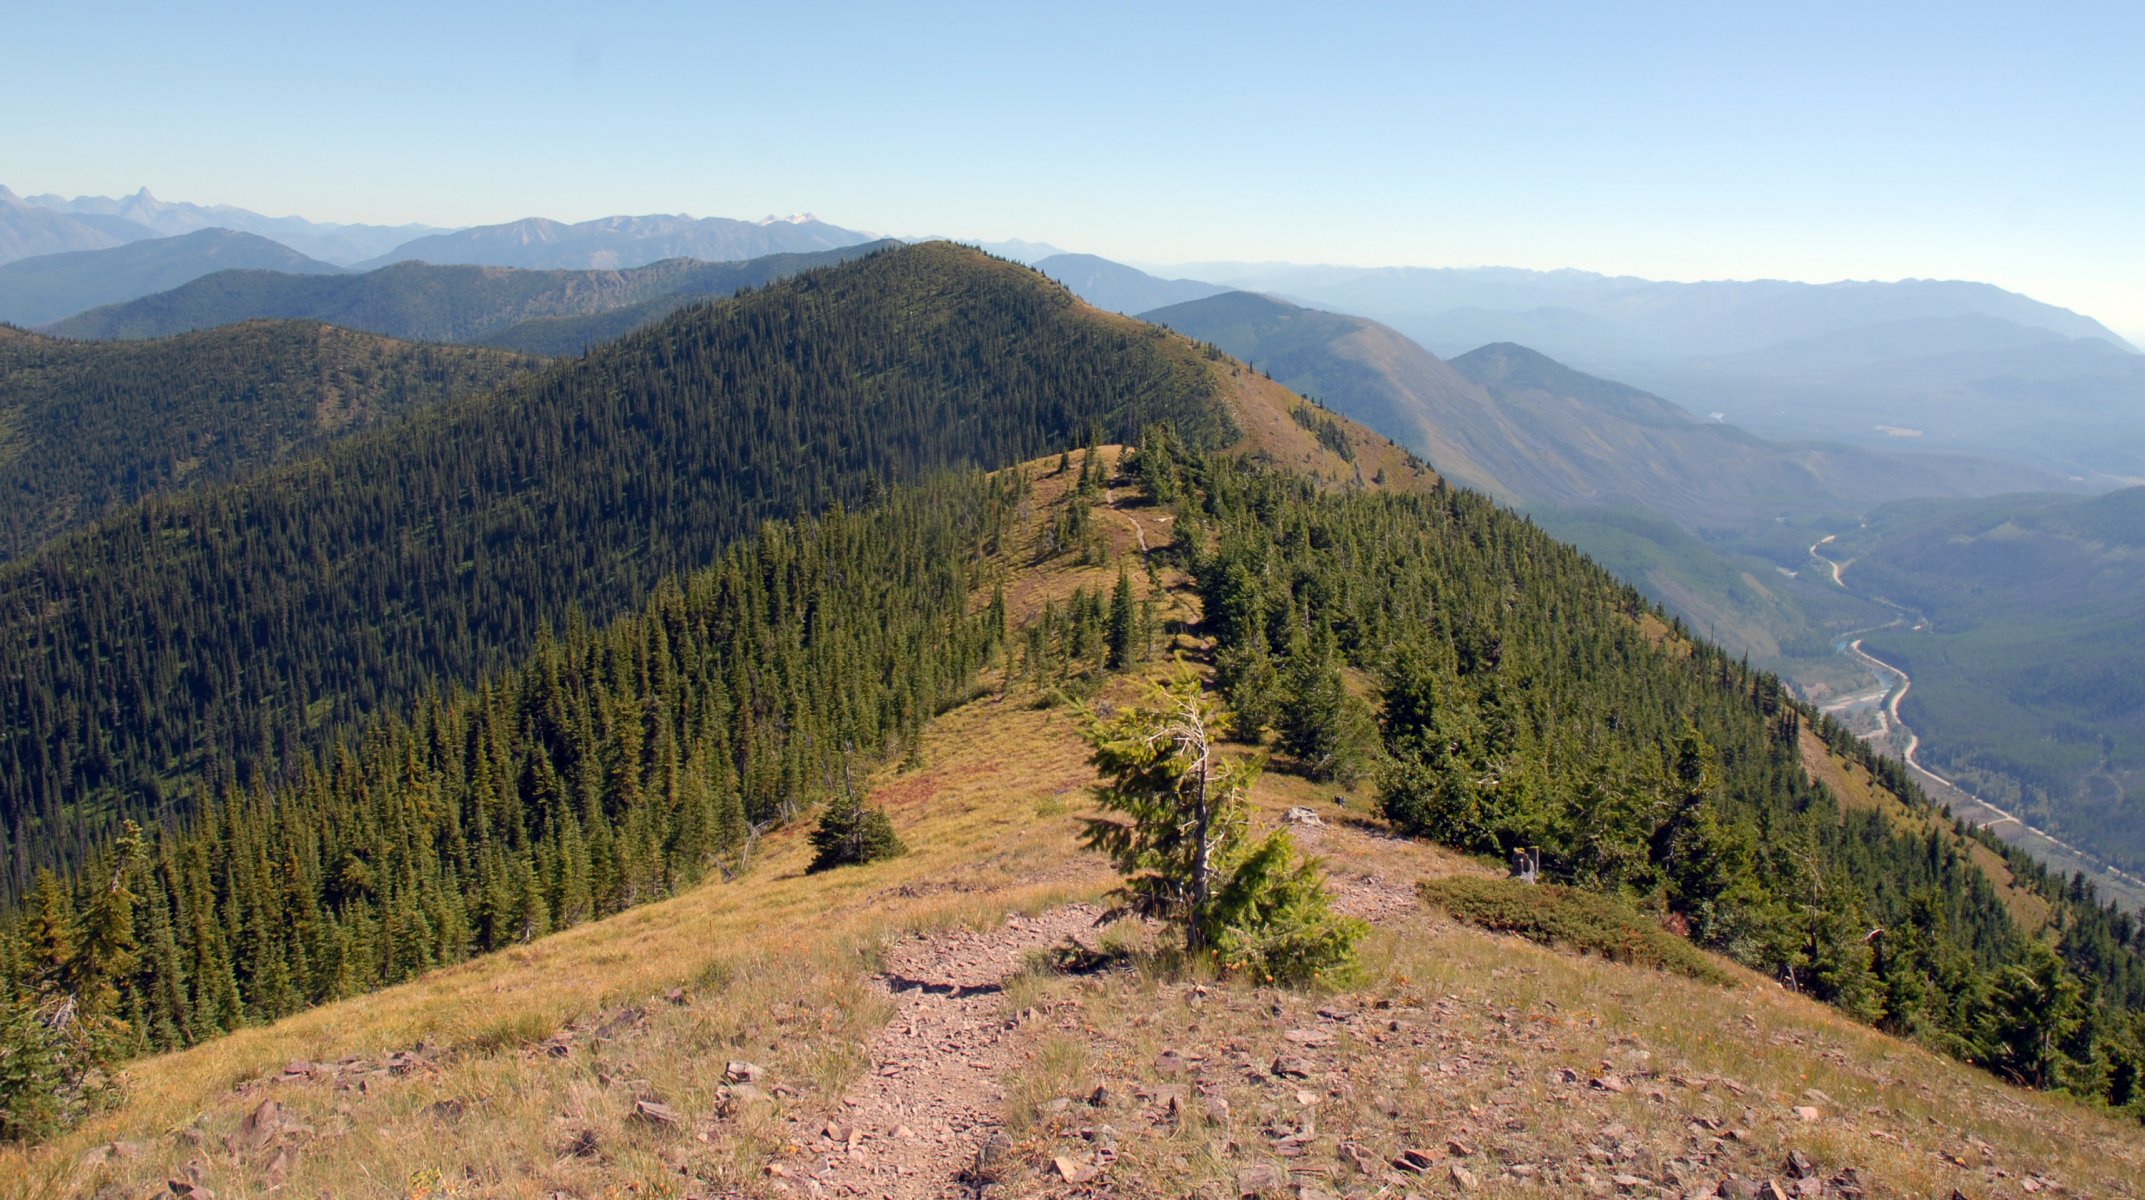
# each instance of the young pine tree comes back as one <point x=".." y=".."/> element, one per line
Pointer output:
<point x="1262" y="908"/>
<point x="851" y="832"/>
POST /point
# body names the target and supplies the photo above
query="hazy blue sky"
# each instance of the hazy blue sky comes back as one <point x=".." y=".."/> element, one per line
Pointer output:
<point x="1681" y="141"/>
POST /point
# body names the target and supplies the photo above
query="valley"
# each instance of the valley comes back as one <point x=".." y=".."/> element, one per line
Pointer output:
<point x="1875" y="714"/>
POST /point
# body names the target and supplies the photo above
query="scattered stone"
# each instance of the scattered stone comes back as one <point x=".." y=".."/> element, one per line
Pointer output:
<point x="1415" y="1162"/>
<point x="583" y="1144"/>
<point x="1459" y="1149"/>
<point x="1608" y="1083"/>
<point x="1311" y="1038"/>
<point x="675" y="995"/>
<point x="1299" y="815"/>
<point x="1074" y="1172"/>
<point x="992" y="1158"/>
<point x="654" y="1112"/>
<point x="260" y="1126"/>
<point x="733" y="1098"/>
<point x="1807" y="1113"/>
<point x="1099" y="1098"/>
<point x="627" y="1018"/>
<point x="1217" y="1109"/>
<point x="1798" y="1165"/>
<point x="1259" y="1178"/>
<point x="1288" y="1067"/>
<point x="1463" y="1178"/>
<point x="743" y="1072"/>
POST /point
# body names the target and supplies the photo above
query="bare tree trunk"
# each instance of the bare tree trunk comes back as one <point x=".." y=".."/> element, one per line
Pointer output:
<point x="1195" y="931"/>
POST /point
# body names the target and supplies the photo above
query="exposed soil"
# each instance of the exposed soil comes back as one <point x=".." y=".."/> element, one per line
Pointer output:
<point x="911" y="1129"/>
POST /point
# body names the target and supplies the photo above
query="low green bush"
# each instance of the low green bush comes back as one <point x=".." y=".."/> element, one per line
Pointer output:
<point x="1569" y="919"/>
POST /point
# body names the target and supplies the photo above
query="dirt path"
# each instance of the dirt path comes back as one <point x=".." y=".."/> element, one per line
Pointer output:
<point x="1109" y="498"/>
<point x="910" y="1129"/>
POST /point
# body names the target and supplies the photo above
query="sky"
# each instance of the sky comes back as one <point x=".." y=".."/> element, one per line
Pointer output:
<point x="2003" y="143"/>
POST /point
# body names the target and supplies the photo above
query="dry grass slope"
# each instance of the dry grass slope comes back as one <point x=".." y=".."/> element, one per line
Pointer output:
<point x="598" y="1062"/>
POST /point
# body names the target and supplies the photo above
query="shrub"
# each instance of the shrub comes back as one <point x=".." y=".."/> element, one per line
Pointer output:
<point x="1588" y="922"/>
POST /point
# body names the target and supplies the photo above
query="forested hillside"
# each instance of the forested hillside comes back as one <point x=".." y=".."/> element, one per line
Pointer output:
<point x="2027" y="676"/>
<point x="1524" y="698"/>
<point x="223" y="634"/>
<point x="1527" y="699"/>
<point x="442" y="303"/>
<point x="611" y="767"/>
<point x="90" y="426"/>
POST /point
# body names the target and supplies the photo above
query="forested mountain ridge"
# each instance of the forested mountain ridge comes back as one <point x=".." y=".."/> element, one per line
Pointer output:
<point x="508" y="791"/>
<point x="225" y="633"/>
<point x="422" y="301"/>
<point x="91" y="426"/>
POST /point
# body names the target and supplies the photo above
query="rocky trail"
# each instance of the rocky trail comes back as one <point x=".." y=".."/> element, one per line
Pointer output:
<point x="911" y="1129"/>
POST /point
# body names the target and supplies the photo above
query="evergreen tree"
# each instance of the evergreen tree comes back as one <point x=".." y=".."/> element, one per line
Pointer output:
<point x="851" y="832"/>
<point x="1182" y="844"/>
<point x="1124" y="646"/>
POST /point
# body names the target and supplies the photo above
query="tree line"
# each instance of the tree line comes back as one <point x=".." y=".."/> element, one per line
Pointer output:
<point x="1526" y="699"/>
<point x="226" y="635"/>
<point x="616" y="765"/>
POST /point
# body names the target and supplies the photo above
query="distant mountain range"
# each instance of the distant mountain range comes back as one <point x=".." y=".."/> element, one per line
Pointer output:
<point x="1706" y="518"/>
<point x="51" y="286"/>
<point x="612" y="243"/>
<point x="1120" y="288"/>
<point x="1517" y="424"/>
<point x="1454" y="308"/>
<point x="1946" y="364"/>
<point x="324" y="240"/>
<point x="27" y="231"/>
<point x="552" y="312"/>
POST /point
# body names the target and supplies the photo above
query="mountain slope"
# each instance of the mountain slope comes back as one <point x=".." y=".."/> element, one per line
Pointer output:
<point x="27" y="231"/>
<point x="869" y="1028"/>
<point x="610" y="243"/>
<point x="35" y="291"/>
<point x="90" y="427"/>
<point x="1966" y="367"/>
<point x="2025" y="678"/>
<point x="428" y="552"/>
<point x="1524" y="428"/>
<point x="1714" y="317"/>
<point x="449" y="304"/>
<point x="1120" y="288"/>
<point x="329" y="241"/>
